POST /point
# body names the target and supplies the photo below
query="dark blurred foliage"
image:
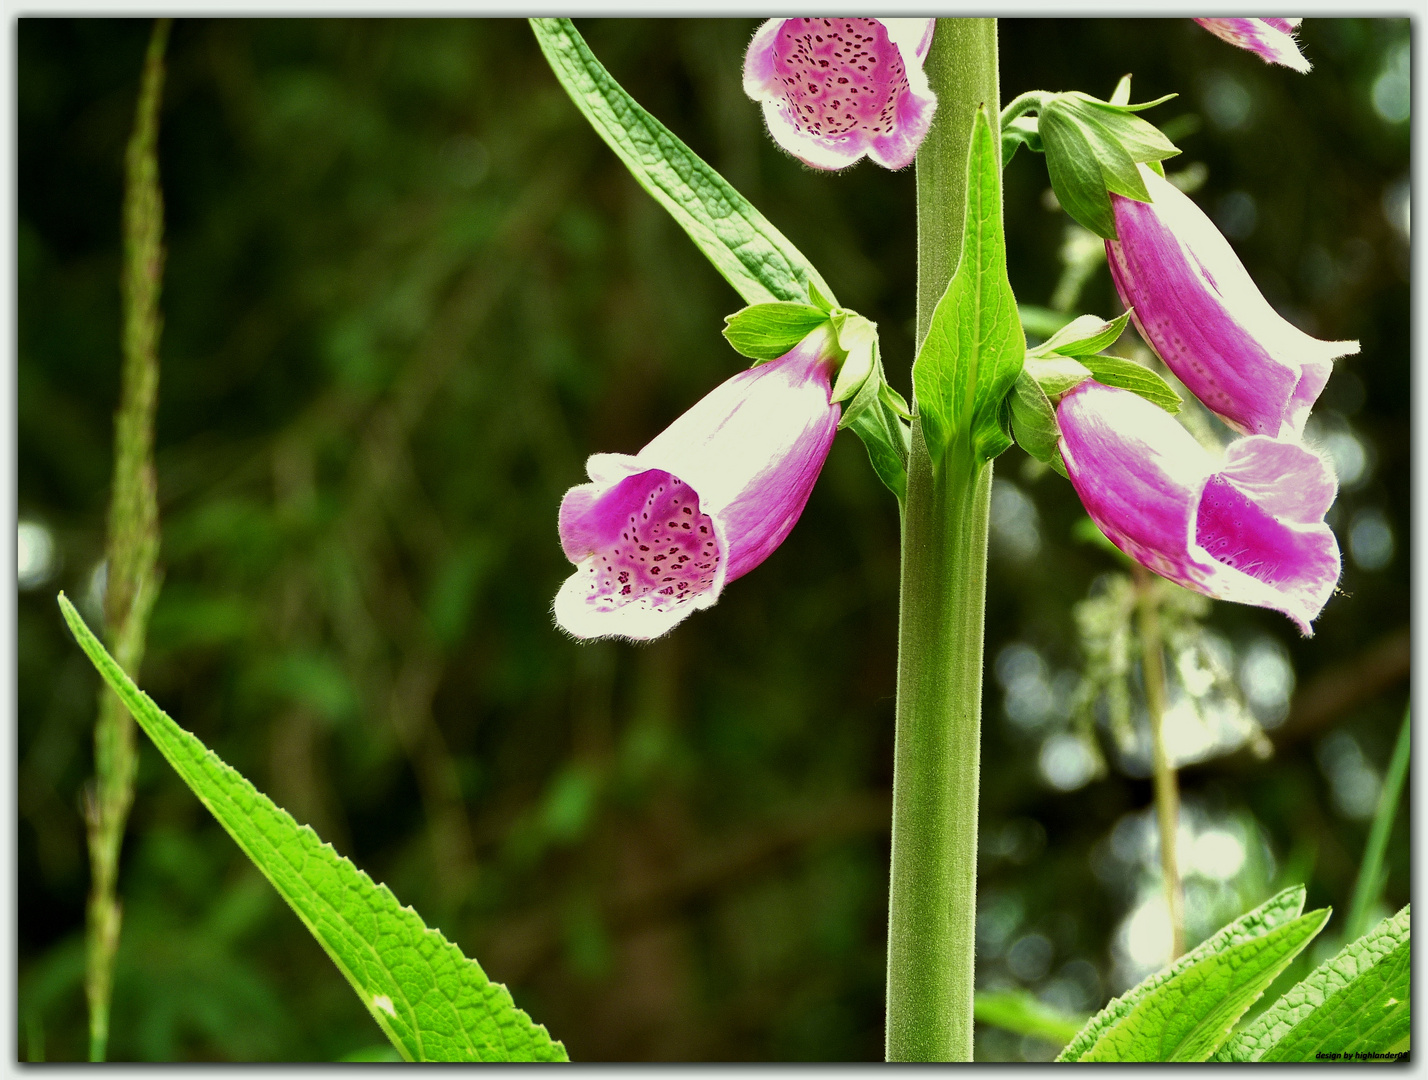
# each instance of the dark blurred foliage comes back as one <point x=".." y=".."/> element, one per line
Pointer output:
<point x="408" y="292"/>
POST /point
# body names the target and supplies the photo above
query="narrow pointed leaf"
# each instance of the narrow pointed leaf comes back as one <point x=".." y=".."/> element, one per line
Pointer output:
<point x="1358" y="1001"/>
<point x="1276" y="911"/>
<point x="1188" y="1017"/>
<point x="430" y="1000"/>
<point x="974" y="347"/>
<point x="754" y="257"/>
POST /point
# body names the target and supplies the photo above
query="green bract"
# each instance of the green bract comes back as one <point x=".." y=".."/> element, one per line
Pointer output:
<point x="974" y="347"/>
<point x="429" y="999"/>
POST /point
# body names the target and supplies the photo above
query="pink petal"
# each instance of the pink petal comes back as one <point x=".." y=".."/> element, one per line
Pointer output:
<point x="656" y="536"/>
<point x="834" y="90"/>
<point x="1248" y="529"/>
<point x="1271" y="39"/>
<point x="1197" y="306"/>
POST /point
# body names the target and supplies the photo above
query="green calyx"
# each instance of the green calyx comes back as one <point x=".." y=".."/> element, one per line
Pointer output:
<point x="1093" y="148"/>
<point x="1065" y="360"/>
<point x="875" y="412"/>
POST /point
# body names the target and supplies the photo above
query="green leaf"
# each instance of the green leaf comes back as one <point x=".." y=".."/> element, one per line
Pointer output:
<point x="876" y="413"/>
<point x="1083" y="336"/>
<point x="1033" y="420"/>
<point x="1020" y="1012"/>
<point x="1128" y="375"/>
<point x="1075" y="172"/>
<point x="974" y="347"/>
<point x="1276" y="911"/>
<point x="430" y="1000"/>
<point x="1022" y="130"/>
<point x="754" y="257"/>
<point x="1189" y="1016"/>
<point x="1358" y="1001"/>
<point x="767" y="331"/>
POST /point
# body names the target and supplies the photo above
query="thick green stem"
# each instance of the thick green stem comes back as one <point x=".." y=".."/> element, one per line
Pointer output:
<point x="1167" y="787"/>
<point x="932" y="902"/>
<point x="133" y="543"/>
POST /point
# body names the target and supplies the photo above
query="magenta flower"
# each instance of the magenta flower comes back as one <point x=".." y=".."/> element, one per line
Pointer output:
<point x="1272" y="39"/>
<point x="1248" y="528"/>
<point x="657" y="536"/>
<point x="1196" y="305"/>
<point x="836" y="89"/>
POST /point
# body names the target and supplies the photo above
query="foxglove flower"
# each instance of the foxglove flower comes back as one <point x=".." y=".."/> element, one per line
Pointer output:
<point x="1196" y="305"/>
<point x="1272" y="39"/>
<point x="657" y="536"/>
<point x="1248" y="528"/>
<point x="836" y="89"/>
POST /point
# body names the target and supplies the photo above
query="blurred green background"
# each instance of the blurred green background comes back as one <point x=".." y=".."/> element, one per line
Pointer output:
<point x="408" y="292"/>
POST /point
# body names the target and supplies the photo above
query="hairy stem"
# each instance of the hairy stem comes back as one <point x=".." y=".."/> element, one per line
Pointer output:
<point x="133" y="542"/>
<point x="1167" y="788"/>
<point x="932" y="902"/>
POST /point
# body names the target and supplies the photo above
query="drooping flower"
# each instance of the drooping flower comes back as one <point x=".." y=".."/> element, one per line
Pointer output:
<point x="656" y="536"/>
<point x="1272" y="39"/>
<point x="835" y="89"/>
<point x="1248" y="528"/>
<point x="1197" y="306"/>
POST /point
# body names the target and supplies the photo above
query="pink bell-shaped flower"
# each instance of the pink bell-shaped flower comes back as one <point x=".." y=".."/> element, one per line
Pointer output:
<point x="1248" y="528"/>
<point x="1196" y="305"/>
<point x="657" y="536"/>
<point x="836" y="89"/>
<point x="1272" y="39"/>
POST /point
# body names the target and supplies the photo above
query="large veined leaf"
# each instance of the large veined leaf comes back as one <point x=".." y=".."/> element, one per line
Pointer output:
<point x="434" y="1003"/>
<point x="1189" y="1017"/>
<point x="1355" y="1004"/>
<point x="1276" y="911"/>
<point x="754" y="257"/>
<point x="974" y="346"/>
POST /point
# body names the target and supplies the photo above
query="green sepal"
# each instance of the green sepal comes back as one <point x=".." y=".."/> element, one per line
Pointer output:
<point x="877" y="413"/>
<point x="1093" y="147"/>
<point x="1055" y="374"/>
<point x="816" y="295"/>
<point x="767" y="331"/>
<point x="1359" y="1000"/>
<point x="1075" y="173"/>
<point x="1021" y="131"/>
<point x="974" y="346"/>
<point x="1128" y="375"/>
<point x="1033" y="421"/>
<point x="1083" y="336"/>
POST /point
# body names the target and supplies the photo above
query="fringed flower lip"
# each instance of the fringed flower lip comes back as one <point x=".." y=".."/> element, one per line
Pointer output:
<point x="833" y="90"/>
<point x="1270" y="39"/>
<point x="1248" y="528"/>
<point x="657" y="535"/>
<point x="1198" y="308"/>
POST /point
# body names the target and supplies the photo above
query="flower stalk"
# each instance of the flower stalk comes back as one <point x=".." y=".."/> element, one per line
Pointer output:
<point x="133" y="543"/>
<point x="932" y="901"/>
<point x="1167" y="786"/>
